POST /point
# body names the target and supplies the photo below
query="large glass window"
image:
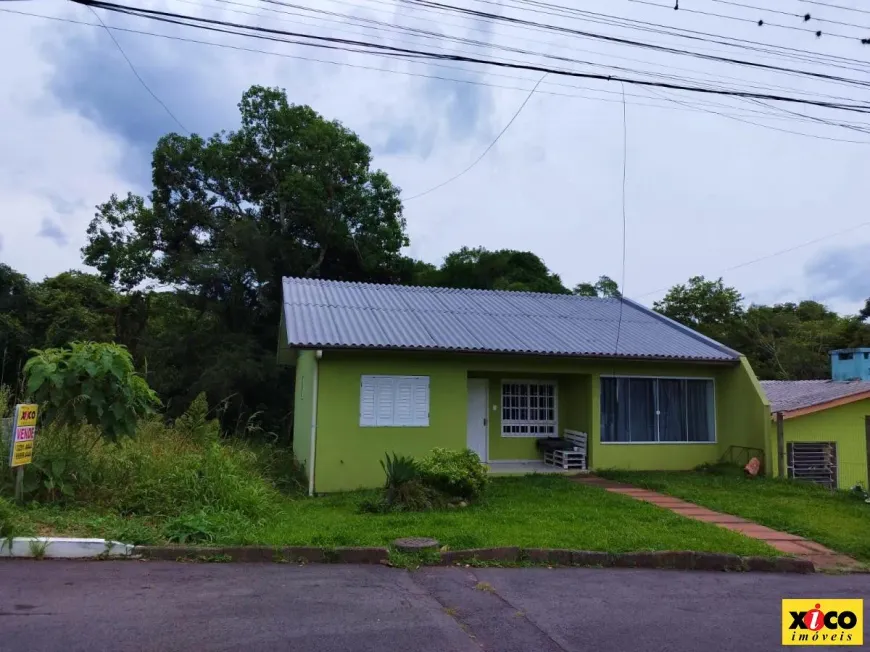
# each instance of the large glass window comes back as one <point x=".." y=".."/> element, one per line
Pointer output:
<point x="528" y="409"/>
<point x="636" y="410"/>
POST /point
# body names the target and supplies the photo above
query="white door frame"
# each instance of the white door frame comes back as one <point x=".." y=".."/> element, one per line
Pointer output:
<point x="485" y="383"/>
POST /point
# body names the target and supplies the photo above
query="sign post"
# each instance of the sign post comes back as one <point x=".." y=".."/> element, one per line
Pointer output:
<point x="21" y="443"/>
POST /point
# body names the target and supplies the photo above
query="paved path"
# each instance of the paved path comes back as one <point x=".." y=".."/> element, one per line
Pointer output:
<point x="126" y="606"/>
<point x="822" y="557"/>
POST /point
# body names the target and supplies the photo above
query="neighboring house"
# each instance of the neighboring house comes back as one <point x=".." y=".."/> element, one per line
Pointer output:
<point x="383" y="369"/>
<point x="825" y="431"/>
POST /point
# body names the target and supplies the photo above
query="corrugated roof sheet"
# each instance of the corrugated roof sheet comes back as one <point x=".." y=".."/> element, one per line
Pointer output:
<point x="787" y="395"/>
<point x="335" y="314"/>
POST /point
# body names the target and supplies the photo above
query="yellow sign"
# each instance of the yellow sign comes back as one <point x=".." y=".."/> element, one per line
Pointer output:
<point x="822" y="621"/>
<point x="23" y="434"/>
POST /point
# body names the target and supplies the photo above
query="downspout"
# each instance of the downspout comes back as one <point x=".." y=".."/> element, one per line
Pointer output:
<point x="315" y="386"/>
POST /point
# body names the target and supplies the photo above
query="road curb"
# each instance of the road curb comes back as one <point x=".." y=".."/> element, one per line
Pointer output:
<point x="506" y="555"/>
<point x="63" y="548"/>
<point x="266" y="554"/>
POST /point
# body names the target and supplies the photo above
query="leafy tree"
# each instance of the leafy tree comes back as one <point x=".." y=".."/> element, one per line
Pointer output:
<point x="603" y="287"/>
<point x="504" y="269"/>
<point x="92" y="383"/>
<point x="74" y="306"/>
<point x="706" y="306"/>
<point x="286" y="194"/>
<point x="16" y="313"/>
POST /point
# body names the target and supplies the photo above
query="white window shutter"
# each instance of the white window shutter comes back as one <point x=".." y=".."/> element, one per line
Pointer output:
<point x="421" y="401"/>
<point x="368" y="387"/>
<point x="385" y="401"/>
<point x="404" y="413"/>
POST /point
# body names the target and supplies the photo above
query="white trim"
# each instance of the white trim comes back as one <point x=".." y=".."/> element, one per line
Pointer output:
<point x="315" y="386"/>
<point x="715" y="439"/>
<point x="537" y="435"/>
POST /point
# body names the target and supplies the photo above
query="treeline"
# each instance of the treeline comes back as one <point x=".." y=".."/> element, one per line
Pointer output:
<point x="190" y="279"/>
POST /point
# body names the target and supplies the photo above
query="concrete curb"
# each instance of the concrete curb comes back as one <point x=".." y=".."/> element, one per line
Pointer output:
<point x="268" y="554"/>
<point x="63" y="548"/>
<point x="510" y="555"/>
<point x="676" y="560"/>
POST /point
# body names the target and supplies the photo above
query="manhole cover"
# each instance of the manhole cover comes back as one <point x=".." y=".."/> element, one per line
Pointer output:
<point x="415" y="544"/>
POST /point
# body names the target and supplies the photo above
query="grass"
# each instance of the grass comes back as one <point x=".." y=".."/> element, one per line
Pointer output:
<point x="835" y="519"/>
<point x="531" y="511"/>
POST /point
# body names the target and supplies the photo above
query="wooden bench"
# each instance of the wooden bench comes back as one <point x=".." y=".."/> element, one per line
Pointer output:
<point x="570" y="458"/>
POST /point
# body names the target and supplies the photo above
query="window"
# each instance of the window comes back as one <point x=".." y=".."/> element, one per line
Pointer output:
<point x="844" y="356"/>
<point x="664" y="410"/>
<point x="528" y="408"/>
<point x="394" y="401"/>
<point x="813" y="462"/>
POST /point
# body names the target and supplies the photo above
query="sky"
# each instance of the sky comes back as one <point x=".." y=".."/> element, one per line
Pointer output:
<point x="704" y="194"/>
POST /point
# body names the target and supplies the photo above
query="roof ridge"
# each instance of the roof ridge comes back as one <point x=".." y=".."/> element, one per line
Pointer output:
<point x="440" y="288"/>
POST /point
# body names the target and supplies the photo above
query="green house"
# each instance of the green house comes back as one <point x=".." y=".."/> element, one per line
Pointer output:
<point x="404" y="369"/>
<point x="820" y="430"/>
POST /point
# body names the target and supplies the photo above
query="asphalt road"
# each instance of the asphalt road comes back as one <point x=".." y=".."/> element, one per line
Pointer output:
<point x="119" y="606"/>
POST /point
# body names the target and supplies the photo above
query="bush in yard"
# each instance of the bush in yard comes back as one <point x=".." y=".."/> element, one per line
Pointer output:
<point x="89" y="382"/>
<point x="404" y="490"/>
<point x="457" y="474"/>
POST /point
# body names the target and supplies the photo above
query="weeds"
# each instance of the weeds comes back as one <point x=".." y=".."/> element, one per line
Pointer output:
<point x="38" y="548"/>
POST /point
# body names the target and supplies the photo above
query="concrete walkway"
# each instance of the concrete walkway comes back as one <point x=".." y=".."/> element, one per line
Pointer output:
<point x="822" y="557"/>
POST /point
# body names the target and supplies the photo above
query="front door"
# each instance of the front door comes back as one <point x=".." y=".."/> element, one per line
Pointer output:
<point x="478" y="398"/>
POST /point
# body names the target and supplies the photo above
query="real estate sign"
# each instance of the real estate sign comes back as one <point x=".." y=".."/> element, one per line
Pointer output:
<point x="23" y="434"/>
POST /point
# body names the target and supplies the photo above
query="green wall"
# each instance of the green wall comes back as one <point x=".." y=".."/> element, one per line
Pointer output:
<point x="843" y="425"/>
<point x="348" y="456"/>
<point x="302" y="406"/>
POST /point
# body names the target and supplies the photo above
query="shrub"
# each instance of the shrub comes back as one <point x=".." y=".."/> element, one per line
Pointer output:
<point x="9" y="522"/>
<point x="457" y="474"/>
<point x="196" y="425"/>
<point x="90" y="382"/>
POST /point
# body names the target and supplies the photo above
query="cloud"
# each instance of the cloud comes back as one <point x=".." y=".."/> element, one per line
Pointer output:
<point x="840" y="273"/>
<point x="52" y="231"/>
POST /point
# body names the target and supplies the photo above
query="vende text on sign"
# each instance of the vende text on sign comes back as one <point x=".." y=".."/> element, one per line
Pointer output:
<point x="24" y="432"/>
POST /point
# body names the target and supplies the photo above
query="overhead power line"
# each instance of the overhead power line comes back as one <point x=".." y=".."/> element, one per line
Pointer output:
<point x="774" y="254"/>
<point x="489" y="147"/>
<point x="696" y="106"/>
<point x="806" y="17"/>
<point x="136" y="73"/>
<point x="631" y="42"/>
<point x="368" y="47"/>
<point x="836" y="6"/>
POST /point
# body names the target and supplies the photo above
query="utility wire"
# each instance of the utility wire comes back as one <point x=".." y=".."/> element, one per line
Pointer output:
<point x="773" y="255"/>
<point x="486" y="151"/>
<point x="136" y="73"/>
<point x="624" y="167"/>
<point x="806" y="17"/>
<point x="346" y="19"/>
<point x="658" y="28"/>
<point x="834" y="6"/>
<point x="764" y="50"/>
<point x="690" y="106"/>
<point x="337" y="43"/>
<point x="623" y="41"/>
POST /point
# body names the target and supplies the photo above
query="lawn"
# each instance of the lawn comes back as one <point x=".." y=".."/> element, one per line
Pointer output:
<point x="531" y="511"/>
<point x="835" y="519"/>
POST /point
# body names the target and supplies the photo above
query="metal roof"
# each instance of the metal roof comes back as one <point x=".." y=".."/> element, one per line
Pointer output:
<point x="788" y="395"/>
<point x="336" y="314"/>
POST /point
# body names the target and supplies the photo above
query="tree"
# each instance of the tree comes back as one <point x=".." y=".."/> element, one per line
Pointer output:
<point x="504" y="269"/>
<point x="603" y="287"/>
<point x="16" y="313"/>
<point x="287" y="194"/>
<point x="706" y="306"/>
